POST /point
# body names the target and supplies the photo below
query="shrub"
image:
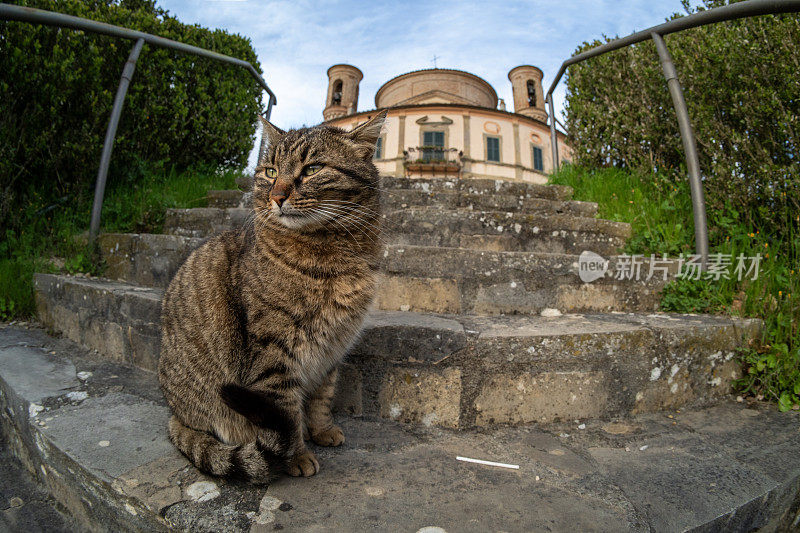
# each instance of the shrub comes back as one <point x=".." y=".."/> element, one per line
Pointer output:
<point x="58" y="85"/>
<point x="741" y="89"/>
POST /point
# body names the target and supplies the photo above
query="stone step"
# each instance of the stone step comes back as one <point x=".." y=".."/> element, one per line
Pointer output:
<point x="428" y="279"/>
<point x="457" y="371"/>
<point x="506" y="231"/>
<point x="93" y="432"/>
<point x="226" y="198"/>
<point x="457" y="228"/>
<point x="480" y="186"/>
<point x="202" y="222"/>
<point x="461" y="281"/>
<point x="402" y="198"/>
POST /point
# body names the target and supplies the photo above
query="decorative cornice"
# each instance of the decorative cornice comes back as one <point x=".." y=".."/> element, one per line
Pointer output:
<point x="444" y="122"/>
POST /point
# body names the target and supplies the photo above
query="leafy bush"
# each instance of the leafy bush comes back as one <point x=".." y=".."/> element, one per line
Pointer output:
<point x="58" y="85"/>
<point x="741" y="89"/>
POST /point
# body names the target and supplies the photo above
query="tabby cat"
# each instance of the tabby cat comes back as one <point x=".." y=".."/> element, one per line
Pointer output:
<point x="256" y="320"/>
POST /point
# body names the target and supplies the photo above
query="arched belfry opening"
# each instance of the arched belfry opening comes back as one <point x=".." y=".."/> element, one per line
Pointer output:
<point x="531" y="93"/>
<point x="337" y="93"/>
<point x="342" y="97"/>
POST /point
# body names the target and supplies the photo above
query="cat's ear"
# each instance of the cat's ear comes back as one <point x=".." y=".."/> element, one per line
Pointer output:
<point x="366" y="135"/>
<point x="269" y="135"/>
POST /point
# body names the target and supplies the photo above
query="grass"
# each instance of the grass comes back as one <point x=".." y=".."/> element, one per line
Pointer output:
<point x="44" y="238"/>
<point x="660" y="214"/>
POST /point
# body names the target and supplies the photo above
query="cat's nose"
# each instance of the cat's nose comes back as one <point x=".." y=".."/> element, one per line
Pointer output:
<point x="280" y="192"/>
<point x="278" y="198"/>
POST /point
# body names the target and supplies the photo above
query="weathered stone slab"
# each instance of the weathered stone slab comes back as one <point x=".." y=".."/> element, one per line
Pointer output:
<point x="479" y="186"/>
<point x="399" y="336"/>
<point x="507" y="231"/>
<point x="146" y="259"/>
<point x="34" y="374"/>
<point x="520" y="282"/>
<point x="425" y="396"/>
<point x="647" y="362"/>
<point x="37" y="391"/>
<point x="112" y="433"/>
<point x="120" y="321"/>
<point x="454" y="228"/>
<point x="544" y="397"/>
<point x="430" y="279"/>
<point x="399" y="198"/>
<point x="203" y="221"/>
<point x="433" y="295"/>
<point x="681" y="481"/>
<point x="225" y="198"/>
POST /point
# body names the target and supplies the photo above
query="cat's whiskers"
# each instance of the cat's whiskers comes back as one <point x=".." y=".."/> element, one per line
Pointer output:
<point x="261" y="217"/>
<point x="350" y="207"/>
<point x="365" y="231"/>
<point x="348" y="203"/>
<point x="362" y="209"/>
<point x="352" y="215"/>
<point x="370" y="237"/>
<point x="317" y="216"/>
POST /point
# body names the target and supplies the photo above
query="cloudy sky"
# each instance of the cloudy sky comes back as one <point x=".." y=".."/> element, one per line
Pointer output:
<point x="297" y="40"/>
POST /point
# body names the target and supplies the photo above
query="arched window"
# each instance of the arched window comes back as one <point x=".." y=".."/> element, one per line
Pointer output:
<point x="337" y="93"/>
<point x="531" y="93"/>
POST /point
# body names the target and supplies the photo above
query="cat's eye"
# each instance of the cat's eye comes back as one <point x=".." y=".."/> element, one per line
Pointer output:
<point x="271" y="173"/>
<point x="310" y="170"/>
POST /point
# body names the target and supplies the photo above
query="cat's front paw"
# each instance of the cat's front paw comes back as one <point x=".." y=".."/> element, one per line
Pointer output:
<point x="333" y="436"/>
<point x="303" y="464"/>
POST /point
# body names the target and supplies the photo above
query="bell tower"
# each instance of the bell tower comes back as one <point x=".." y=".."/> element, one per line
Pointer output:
<point x="526" y="83"/>
<point x="342" y="97"/>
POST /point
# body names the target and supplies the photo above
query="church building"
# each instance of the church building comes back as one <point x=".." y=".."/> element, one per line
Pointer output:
<point x="445" y="122"/>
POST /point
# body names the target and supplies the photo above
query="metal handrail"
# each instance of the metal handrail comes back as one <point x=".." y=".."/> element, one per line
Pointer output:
<point x="748" y="8"/>
<point x="49" y="18"/>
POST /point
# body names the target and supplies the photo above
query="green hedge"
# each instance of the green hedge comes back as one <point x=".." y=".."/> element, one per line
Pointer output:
<point x="57" y="88"/>
<point x="743" y="93"/>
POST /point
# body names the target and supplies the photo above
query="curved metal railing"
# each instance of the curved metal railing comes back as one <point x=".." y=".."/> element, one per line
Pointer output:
<point x="748" y="8"/>
<point x="49" y="18"/>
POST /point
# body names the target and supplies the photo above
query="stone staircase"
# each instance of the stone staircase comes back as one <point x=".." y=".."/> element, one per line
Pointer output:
<point x="462" y="355"/>
<point x="456" y="338"/>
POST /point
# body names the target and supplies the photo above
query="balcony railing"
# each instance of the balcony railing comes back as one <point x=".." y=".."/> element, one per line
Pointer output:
<point x="432" y="160"/>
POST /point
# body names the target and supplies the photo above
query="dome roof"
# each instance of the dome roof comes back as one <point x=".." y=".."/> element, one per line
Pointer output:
<point x="436" y="86"/>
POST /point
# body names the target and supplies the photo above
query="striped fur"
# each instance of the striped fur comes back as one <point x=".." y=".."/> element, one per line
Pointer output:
<point x="256" y="320"/>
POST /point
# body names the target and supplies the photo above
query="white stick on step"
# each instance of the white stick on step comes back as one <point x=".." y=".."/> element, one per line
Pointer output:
<point x="488" y="463"/>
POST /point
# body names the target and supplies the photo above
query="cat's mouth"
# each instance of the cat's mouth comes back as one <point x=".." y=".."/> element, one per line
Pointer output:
<point x="292" y="218"/>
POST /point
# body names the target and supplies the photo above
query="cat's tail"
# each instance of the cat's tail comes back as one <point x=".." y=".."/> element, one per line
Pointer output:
<point x="256" y="462"/>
